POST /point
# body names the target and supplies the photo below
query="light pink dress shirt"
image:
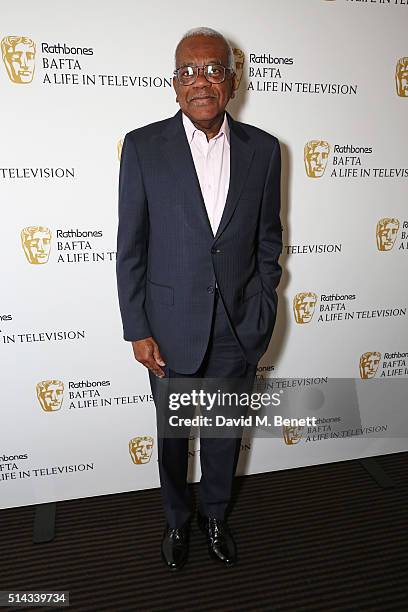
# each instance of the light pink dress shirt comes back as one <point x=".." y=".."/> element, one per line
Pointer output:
<point x="212" y="163"/>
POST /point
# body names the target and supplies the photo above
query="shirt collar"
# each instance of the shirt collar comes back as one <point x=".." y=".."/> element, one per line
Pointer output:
<point x="190" y="129"/>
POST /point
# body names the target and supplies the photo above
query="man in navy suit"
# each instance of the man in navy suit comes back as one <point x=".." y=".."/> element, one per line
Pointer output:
<point x="198" y="244"/>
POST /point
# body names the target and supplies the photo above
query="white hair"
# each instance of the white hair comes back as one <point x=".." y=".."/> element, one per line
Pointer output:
<point x="208" y="32"/>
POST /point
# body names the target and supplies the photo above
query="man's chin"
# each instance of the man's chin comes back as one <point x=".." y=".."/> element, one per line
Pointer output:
<point x="204" y="112"/>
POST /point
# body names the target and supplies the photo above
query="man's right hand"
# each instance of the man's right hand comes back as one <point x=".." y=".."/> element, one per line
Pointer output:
<point x="147" y="352"/>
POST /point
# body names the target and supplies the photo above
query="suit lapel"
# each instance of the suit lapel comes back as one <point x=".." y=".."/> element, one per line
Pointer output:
<point x="178" y="154"/>
<point x="241" y="154"/>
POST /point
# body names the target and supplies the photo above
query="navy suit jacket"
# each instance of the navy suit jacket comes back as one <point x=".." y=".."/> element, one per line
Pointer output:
<point x="168" y="259"/>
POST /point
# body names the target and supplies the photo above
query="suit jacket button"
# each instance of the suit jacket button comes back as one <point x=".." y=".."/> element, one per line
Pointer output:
<point x="210" y="289"/>
<point x="214" y="251"/>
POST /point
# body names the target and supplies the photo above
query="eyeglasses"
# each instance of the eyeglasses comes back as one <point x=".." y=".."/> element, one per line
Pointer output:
<point x="214" y="73"/>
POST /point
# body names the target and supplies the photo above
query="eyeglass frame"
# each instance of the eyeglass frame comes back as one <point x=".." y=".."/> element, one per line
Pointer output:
<point x="202" y="67"/>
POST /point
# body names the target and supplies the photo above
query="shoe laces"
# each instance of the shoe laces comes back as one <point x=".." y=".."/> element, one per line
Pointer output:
<point x="216" y="526"/>
<point x="175" y="533"/>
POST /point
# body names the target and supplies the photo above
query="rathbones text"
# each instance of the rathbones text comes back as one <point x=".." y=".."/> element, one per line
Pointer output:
<point x="88" y="383"/>
<point x="266" y="58"/>
<point x="334" y="297"/>
<point x="13" y="457"/>
<point x="76" y="233"/>
<point x="351" y="149"/>
<point x="65" y="49"/>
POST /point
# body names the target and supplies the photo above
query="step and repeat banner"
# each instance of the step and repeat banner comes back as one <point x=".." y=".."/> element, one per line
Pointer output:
<point x="329" y="78"/>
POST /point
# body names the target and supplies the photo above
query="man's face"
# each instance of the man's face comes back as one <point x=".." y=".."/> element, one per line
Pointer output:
<point x="20" y="61"/>
<point x="203" y="101"/>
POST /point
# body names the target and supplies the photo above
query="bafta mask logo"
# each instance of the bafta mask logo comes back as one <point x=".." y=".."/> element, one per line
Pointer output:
<point x="140" y="449"/>
<point x="292" y="435"/>
<point x="304" y="306"/>
<point x="386" y="233"/>
<point x="119" y="148"/>
<point x="369" y="363"/>
<point x="50" y="394"/>
<point x="239" y="66"/>
<point x="36" y="241"/>
<point x="316" y="154"/>
<point x="401" y="77"/>
<point x="19" y="58"/>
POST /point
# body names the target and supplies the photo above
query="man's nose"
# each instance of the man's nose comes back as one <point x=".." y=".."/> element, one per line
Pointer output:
<point x="201" y="81"/>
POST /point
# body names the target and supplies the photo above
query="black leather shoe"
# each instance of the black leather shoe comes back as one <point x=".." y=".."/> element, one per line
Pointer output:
<point x="221" y="545"/>
<point x="174" y="546"/>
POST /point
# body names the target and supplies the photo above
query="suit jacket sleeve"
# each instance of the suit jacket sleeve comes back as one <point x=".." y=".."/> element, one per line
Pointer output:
<point x="269" y="245"/>
<point x="132" y="244"/>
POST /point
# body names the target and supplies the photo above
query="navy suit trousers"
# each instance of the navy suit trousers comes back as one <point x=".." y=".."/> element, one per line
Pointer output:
<point x="223" y="359"/>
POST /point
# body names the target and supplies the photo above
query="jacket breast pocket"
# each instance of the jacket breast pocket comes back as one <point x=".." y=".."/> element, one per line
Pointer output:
<point x="164" y="294"/>
<point x="253" y="287"/>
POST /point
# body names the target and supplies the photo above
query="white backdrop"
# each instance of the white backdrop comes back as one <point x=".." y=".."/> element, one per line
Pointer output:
<point x="74" y="78"/>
